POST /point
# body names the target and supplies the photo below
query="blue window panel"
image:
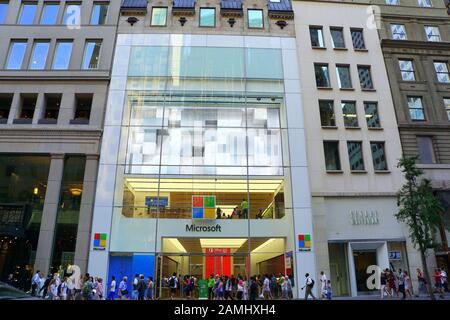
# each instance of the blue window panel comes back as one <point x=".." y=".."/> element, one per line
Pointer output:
<point x="50" y="13"/>
<point x="62" y="55"/>
<point x="3" y="12"/>
<point x="39" y="57"/>
<point x="264" y="64"/>
<point x="149" y="61"/>
<point x="16" y="55"/>
<point x="27" y="13"/>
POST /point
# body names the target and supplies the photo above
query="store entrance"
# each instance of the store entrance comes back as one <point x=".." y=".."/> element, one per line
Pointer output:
<point x="195" y="260"/>
<point x="363" y="259"/>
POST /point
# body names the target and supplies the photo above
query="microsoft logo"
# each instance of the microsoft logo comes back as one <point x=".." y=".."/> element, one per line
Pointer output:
<point x="203" y="207"/>
<point x="99" y="241"/>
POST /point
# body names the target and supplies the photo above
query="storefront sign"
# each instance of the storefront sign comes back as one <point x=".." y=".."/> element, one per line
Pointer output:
<point x="203" y="207"/>
<point x="304" y="242"/>
<point x="360" y="217"/>
<point x="203" y="228"/>
<point x="99" y="241"/>
<point x="156" y="201"/>
<point x="395" y="255"/>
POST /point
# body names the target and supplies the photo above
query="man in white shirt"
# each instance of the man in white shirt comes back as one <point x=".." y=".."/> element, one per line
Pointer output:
<point x="35" y="282"/>
<point x="309" y="285"/>
<point x="112" y="289"/>
<point x="323" y="285"/>
<point x="135" y="293"/>
<point x="266" y="288"/>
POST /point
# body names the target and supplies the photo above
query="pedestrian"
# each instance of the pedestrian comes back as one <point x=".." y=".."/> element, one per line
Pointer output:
<point x="123" y="290"/>
<point x="141" y="287"/>
<point x="112" y="289"/>
<point x="134" y="292"/>
<point x="240" y="288"/>
<point x="323" y="284"/>
<point x="173" y="281"/>
<point x="391" y="282"/>
<point x="286" y="287"/>
<point x="211" y="283"/>
<point x="438" y="283"/>
<point x="100" y="288"/>
<point x="444" y="280"/>
<point x="267" y="295"/>
<point x="244" y="207"/>
<point x="150" y="288"/>
<point x="35" y="281"/>
<point x="64" y="288"/>
<point x="228" y="289"/>
<point x="88" y="288"/>
<point x="253" y="294"/>
<point x="52" y="290"/>
<point x="329" y="291"/>
<point x="408" y="285"/>
<point x="309" y="285"/>
<point x="45" y="286"/>
<point x="401" y="284"/>
<point x="422" y="283"/>
<point x="383" y="284"/>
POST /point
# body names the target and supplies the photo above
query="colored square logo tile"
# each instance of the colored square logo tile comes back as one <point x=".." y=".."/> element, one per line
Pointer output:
<point x="307" y="237"/>
<point x="103" y="236"/>
<point x="197" y="202"/>
<point x="96" y="243"/>
<point x="209" y="213"/>
<point x="102" y="243"/>
<point x="97" y="236"/>
<point x="301" y="244"/>
<point x="301" y="237"/>
<point x="307" y="244"/>
<point x="197" y="213"/>
<point x="210" y="202"/>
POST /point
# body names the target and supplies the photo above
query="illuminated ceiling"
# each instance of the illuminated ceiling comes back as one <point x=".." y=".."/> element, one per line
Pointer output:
<point x="202" y="185"/>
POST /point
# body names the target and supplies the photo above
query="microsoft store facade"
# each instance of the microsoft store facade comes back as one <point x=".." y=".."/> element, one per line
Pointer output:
<point x="203" y="163"/>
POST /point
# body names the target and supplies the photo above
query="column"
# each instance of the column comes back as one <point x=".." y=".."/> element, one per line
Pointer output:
<point x="49" y="213"/>
<point x="383" y="256"/>
<point x="86" y="209"/>
<point x="351" y="271"/>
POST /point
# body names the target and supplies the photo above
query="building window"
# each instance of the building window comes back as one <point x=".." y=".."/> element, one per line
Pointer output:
<point x="365" y="77"/>
<point x="426" y="149"/>
<point x="316" y="35"/>
<point x="424" y="3"/>
<point x="72" y="13"/>
<point x="3" y="11"/>
<point x="378" y="156"/>
<point x="372" y="116"/>
<point x="349" y="113"/>
<point x="327" y="117"/>
<point x="207" y="17"/>
<point x="358" y="39"/>
<point x="16" y="54"/>
<point x="159" y="16"/>
<point x="5" y="106"/>
<point x="447" y="107"/>
<point x="27" y="107"/>
<point x="255" y="18"/>
<point x="332" y="159"/>
<point x="52" y="103"/>
<point x="322" y="75"/>
<point x="432" y="33"/>
<point x="50" y="13"/>
<point x="83" y="106"/>
<point x="343" y="76"/>
<point x="407" y="70"/>
<point x="355" y="155"/>
<point x="416" y="108"/>
<point x="39" y="55"/>
<point x="99" y="13"/>
<point x="62" y="54"/>
<point x="337" y="37"/>
<point x="441" y="69"/>
<point x="393" y="2"/>
<point x="92" y="54"/>
<point x="398" y="32"/>
<point x="27" y="13"/>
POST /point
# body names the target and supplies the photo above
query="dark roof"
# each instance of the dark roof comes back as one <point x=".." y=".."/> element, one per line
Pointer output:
<point x="134" y="4"/>
<point x="283" y="5"/>
<point x="231" y="4"/>
<point x="184" y="3"/>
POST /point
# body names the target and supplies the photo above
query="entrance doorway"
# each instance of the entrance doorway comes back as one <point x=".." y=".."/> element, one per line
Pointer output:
<point x="363" y="259"/>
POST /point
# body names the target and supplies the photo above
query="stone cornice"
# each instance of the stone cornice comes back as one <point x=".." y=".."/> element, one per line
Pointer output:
<point x="410" y="44"/>
<point x="22" y="132"/>
<point x="424" y="126"/>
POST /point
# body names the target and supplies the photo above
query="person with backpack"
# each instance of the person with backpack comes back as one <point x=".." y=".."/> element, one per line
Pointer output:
<point x="87" y="289"/>
<point x="173" y="281"/>
<point x="309" y="285"/>
<point x="141" y="286"/>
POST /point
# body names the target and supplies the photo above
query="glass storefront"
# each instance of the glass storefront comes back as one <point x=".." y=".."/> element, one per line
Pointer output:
<point x="23" y="183"/>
